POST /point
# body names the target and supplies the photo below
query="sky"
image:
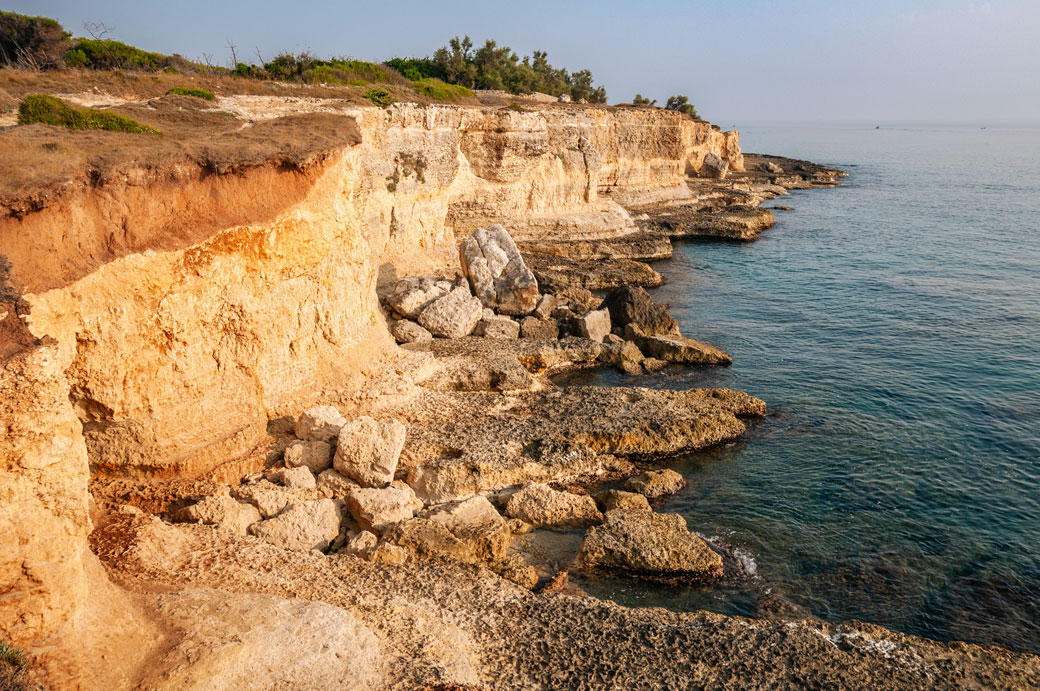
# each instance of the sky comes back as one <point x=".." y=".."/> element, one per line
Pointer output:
<point x="752" y="61"/>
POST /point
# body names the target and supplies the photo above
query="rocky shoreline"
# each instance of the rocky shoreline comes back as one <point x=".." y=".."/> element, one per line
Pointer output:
<point x="401" y="513"/>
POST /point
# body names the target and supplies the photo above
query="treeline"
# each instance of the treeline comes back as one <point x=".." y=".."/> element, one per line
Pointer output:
<point x="494" y="67"/>
<point x="40" y="43"/>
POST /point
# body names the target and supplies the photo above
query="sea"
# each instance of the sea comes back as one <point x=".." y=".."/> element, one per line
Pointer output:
<point x="892" y="325"/>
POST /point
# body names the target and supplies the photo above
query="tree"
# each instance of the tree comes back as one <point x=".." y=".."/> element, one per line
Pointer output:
<point x="639" y="100"/>
<point x="682" y="104"/>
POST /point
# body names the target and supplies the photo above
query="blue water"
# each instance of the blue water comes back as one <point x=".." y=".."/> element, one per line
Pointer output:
<point x="892" y="325"/>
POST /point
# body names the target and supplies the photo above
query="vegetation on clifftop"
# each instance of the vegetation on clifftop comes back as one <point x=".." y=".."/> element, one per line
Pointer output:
<point x="49" y="110"/>
<point x="197" y="93"/>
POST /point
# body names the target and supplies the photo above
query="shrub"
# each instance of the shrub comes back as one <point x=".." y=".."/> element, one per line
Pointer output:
<point x="440" y="91"/>
<point x="639" y="100"/>
<point x="417" y="69"/>
<point x="380" y="96"/>
<point x="197" y="93"/>
<point x="681" y="104"/>
<point x="31" y="42"/>
<point x="53" y="111"/>
<point x="105" y="54"/>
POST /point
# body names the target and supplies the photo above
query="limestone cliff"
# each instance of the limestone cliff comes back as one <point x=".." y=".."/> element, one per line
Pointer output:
<point x="181" y="334"/>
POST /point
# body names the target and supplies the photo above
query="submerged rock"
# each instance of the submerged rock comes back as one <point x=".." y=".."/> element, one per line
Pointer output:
<point x="452" y="316"/>
<point x="654" y="484"/>
<point x="497" y="273"/>
<point x="652" y="545"/>
<point x="367" y="450"/>
<point x="541" y="505"/>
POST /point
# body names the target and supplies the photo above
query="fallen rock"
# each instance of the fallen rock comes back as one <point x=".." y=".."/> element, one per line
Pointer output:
<point x="545" y="306"/>
<point x="533" y="327"/>
<point x="316" y="456"/>
<point x="375" y="509"/>
<point x="406" y="331"/>
<point x="714" y="167"/>
<point x="542" y="505"/>
<point x="367" y="450"/>
<point x="614" y="500"/>
<point x="633" y="305"/>
<point x="497" y="327"/>
<point x="497" y="273"/>
<point x="594" y="325"/>
<point x="477" y="524"/>
<point x="220" y="510"/>
<point x="320" y="423"/>
<point x="410" y="296"/>
<point x="626" y="356"/>
<point x="224" y="640"/>
<point x="568" y="295"/>
<point x="453" y="316"/>
<point x="556" y="274"/>
<point x="654" y="484"/>
<point x="652" y="364"/>
<point x="770" y="167"/>
<point x="268" y="498"/>
<point x="334" y="484"/>
<point x="515" y="569"/>
<point x="299" y="478"/>
<point x="385" y="553"/>
<point x="677" y="348"/>
<point x="652" y="545"/>
<point x="360" y="543"/>
<point x="301" y="527"/>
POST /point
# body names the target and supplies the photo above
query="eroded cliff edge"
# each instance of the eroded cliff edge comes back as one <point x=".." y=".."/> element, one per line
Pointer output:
<point x="168" y="314"/>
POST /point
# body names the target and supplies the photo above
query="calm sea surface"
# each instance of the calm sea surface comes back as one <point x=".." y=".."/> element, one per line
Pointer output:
<point x="892" y="325"/>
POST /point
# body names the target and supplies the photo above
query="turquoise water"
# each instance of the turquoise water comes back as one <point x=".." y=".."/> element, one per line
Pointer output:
<point x="893" y="327"/>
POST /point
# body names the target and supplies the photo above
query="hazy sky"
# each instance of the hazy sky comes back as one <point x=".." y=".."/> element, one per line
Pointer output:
<point x="881" y="61"/>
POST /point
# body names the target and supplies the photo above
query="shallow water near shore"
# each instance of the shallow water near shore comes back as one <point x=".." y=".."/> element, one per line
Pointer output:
<point x="892" y="325"/>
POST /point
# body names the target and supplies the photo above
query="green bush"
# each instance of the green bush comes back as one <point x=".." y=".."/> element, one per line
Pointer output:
<point x="380" y="96"/>
<point x="32" y="42"/>
<point x="440" y="91"/>
<point x="197" y="93"/>
<point x="106" y="54"/>
<point x="681" y="103"/>
<point x="53" y="111"/>
<point x="640" y="100"/>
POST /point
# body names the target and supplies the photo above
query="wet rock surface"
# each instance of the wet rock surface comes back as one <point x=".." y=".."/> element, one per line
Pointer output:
<point x="645" y="544"/>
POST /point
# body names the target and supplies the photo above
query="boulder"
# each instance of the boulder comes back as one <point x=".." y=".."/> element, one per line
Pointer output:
<point x="677" y="348"/>
<point x="545" y="306"/>
<point x="406" y="331"/>
<point x="626" y="356"/>
<point x="533" y="327"/>
<point x="452" y="316"/>
<point x="652" y="364"/>
<point x="514" y="568"/>
<point x="425" y="538"/>
<point x="410" y="296"/>
<point x="542" y="505"/>
<point x="385" y="553"/>
<point x="220" y="510"/>
<point x="301" y="527"/>
<point x="714" y="167"/>
<point x="334" y="484"/>
<point x="316" y="456"/>
<point x="654" y="484"/>
<point x="654" y="545"/>
<point x="770" y="167"/>
<point x="320" y="423"/>
<point x="299" y="478"/>
<point x="497" y="327"/>
<point x="268" y="498"/>
<point x="476" y="523"/>
<point x="497" y="273"/>
<point x="594" y="325"/>
<point x="613" y="500"/>
<point x="360" y="543"/>
<point x="633" y="305"/>
<point x="375" y="509"/>
<point x="367" y="450"/>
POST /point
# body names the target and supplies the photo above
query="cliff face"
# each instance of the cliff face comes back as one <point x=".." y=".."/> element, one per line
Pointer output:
<point x="182" y="334"/>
